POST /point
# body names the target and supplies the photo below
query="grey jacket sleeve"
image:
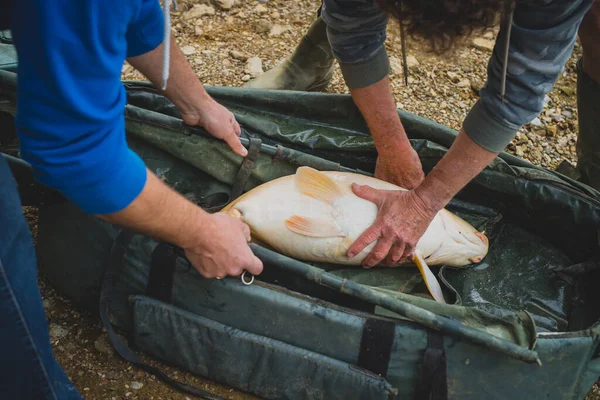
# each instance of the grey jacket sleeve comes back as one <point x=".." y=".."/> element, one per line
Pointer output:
<point x="541" y="41"/>
<point x="542" y="38"/>
<point x="356" y="30"/>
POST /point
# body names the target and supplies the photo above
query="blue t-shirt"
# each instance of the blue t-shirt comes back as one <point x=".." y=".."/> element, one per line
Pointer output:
<point x="70" y="98"/>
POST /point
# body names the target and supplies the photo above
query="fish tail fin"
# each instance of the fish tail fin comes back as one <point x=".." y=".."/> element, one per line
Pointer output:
<point x="316" y="184"/>
<point x="430" y="280"/>
<point x="313" y="227"/>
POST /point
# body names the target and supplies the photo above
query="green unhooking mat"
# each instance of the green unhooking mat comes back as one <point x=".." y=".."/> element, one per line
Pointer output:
<point x="521" y="324"/>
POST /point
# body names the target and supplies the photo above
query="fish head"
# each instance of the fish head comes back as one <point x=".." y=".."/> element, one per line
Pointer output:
<point x="464" y="244"/>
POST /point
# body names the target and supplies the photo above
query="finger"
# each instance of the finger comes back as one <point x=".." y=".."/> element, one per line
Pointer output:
<point x="255" y="266"/>
<point x="379" y="252"/>
<point x="408" y="252"/>
<point x="368" y="237"/>
<point x="396" y="253"/>
<point x="234" y="142"/>
<point x="366" y="192"/>
<point x="236" y="127"/>
<point x="246" y="230"/>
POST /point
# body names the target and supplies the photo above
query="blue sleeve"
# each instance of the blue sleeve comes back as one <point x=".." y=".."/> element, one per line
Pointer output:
<point x="145" y="32"/>
<point x="70" y="99"/>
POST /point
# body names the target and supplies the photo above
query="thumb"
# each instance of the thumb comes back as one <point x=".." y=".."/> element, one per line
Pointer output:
<point x="236" y="145"/>
<point x="255" y="266"/>
<point x="366" y="192"/>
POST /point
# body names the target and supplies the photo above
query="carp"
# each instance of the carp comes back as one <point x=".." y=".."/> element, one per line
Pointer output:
<point x="315" y="216"/>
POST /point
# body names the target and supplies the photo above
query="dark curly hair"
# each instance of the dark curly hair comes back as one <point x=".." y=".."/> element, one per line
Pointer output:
<point x="442" y="23"/>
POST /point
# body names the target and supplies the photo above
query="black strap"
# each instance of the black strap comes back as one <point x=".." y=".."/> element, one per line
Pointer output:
<point x="110" y="276"/>
<point x="248" y="165"/>
<point x="432" y="384"/>
<point x="162" y="270"/>
<point x="376" y="346"/>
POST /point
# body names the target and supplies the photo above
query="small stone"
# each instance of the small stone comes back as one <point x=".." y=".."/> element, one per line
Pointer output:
<point x="226" y="63"/>
<point x="137" y="385"/>
<point x="464" y="83"/>
<point x="453" y="76"/>
<point x="567" y="114"/>
<point x="58" y="332"/>
<point x="278" y="30"/>
<point x="547" y="100"/>
<point x="198" y="60"/>
<point x="573" y="149"/>
<point x="551" y="130"/>
<point x="399" y="105"/>
<point x="519" y="152"/>
<point x="263" y="26"/>
<point x="207" y="53"/>
<point x="396" y="65"/>
<point x="225" y="4"/>
<point x="198" y="30"/>
<point x="275" y="14"/>
<point x="254" y="66"/>
<point x="483" y="44"/>
<point x="411" y="62"/>
<point x="238" y="55"/>
<point x="188" y="50"/>
<point x="128" y="394"/>
<point x="260" y="9"/>
<point x="102" y="345"/>
<point x="536" y="122"/>
<point x="489" y="35"/>
<point x="197" y="11"/>
<point x="47" y="304"/>
<point x="246" y="78"/>
<point x="443" y="105"/>
<point x="536" y="154"/>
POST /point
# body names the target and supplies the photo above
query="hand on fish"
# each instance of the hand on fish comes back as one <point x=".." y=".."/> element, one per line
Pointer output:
<point x="402" y="219"/>
<point x="400" y="168"/>
<point x="225" y="250"/>
<point x="219" y="122"/>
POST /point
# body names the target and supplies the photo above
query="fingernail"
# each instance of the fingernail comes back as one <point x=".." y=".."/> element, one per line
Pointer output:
<point x="350" y="255"/>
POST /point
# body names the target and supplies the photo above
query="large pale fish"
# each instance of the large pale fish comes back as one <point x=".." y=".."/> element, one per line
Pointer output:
<point x="315" y="216"/>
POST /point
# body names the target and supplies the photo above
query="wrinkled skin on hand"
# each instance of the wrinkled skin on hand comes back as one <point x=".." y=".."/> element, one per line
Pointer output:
<point x="219" y="122"/>
<point x="225" y="250"/>
<point x="402" y="169"/>
<point x="402" y="219"/>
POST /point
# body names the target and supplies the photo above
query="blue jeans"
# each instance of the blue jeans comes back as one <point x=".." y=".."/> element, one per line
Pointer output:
<point x="28" y="369"/>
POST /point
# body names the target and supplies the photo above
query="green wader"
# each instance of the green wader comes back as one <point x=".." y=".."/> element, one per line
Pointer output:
<point x="309" y="68"/>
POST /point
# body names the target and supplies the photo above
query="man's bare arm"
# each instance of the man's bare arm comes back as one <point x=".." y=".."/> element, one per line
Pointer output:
<point x="185" y="90"/>
<point x="397" y="161"/>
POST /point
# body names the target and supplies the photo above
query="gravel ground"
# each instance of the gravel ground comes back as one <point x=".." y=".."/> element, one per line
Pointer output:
<point x="227" y="43"/>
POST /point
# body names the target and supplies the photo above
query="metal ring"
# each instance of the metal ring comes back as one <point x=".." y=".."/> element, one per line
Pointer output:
<point x="247" y="283"/>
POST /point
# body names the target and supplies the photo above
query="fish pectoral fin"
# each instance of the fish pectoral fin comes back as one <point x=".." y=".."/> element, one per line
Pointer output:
<point x="316" y="184"/>
<point x="430" y="280"/>
<point x="313" y="227"/>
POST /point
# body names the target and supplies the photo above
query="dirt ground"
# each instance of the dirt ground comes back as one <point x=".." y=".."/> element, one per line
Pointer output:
<point x="219" y="42"/>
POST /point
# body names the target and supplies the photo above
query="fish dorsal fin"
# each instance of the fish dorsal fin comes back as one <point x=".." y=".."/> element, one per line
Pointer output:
<point x="429" y="278"/>
<point x="313" y="183"/>
<point x="313" y="227"/>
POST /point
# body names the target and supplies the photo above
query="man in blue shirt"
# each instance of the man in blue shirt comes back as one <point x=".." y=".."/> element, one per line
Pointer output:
<point x="532" y="48"/>
<point x="71" y="128"/>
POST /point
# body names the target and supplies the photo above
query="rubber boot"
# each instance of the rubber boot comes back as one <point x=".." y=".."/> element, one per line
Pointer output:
<point x="309" y="68"/>
<point x="588" y="141"/>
